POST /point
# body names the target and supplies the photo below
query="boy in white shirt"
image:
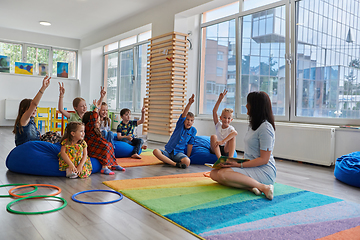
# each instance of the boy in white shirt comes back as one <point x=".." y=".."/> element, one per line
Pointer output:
<point x="224" y="142"/>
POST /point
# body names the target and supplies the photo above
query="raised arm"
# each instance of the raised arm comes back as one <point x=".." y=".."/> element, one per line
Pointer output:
<point x="35" y="102"/>
<point x="186" y="110"/>
<point x="142" y="119"/>
<point x="61" y="101"/>
<point x="216" y="107"/>
<point x="102" y="96"/>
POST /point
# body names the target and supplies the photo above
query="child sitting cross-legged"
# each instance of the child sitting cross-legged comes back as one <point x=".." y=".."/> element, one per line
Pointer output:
<point x="73" y="156"/>
<point x="98" y="147"/>
<point x="125" y="131"/>
<point x="223" y="143"/>
<point x="182" y="137"/>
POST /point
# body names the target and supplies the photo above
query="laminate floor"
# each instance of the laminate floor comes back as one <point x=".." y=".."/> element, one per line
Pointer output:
<point x="125" y="219"/>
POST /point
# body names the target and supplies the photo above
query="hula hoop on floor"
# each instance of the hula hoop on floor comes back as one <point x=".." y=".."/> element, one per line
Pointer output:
<point x="99" y="190"/>
<point x="8" y="207"/>
<point x="39" y="185"/>
<point x="18" y="184"/>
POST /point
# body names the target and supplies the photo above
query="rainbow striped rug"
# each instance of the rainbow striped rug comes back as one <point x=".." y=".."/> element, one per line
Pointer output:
<point x="212" y="211"/>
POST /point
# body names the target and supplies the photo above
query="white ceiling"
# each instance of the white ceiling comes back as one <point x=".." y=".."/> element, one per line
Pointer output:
<point x="69" y="18"/>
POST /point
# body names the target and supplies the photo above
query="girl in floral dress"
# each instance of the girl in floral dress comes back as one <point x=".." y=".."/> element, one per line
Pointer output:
<point x="73" y="156"/>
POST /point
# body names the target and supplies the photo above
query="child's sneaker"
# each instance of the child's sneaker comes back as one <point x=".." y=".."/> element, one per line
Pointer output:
<point x="107" y="171"/>
<point x="117" y="168"/>
<point x="70" y="174"/>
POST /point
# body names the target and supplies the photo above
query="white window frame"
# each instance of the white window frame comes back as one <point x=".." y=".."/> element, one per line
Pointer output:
<point x="238" y="19"/>
<point x="24" y="57"/>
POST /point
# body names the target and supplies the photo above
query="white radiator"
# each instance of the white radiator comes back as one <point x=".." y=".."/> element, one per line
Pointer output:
<point x="305" y="142"/>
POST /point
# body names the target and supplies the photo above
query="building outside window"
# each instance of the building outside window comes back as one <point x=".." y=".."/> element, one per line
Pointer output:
<point x="328" y="57"/>
<point x="324" y="69"/>
<point x="217" y="38"/>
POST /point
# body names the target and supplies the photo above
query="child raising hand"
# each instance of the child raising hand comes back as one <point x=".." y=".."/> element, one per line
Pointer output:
<point x="223" y="143"/>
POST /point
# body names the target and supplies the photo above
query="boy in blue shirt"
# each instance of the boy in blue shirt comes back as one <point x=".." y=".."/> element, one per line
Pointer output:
<point x="183" y="135"/>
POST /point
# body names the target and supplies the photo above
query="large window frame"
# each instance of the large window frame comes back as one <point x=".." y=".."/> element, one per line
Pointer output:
<point x="238" y="22"/>
<point x="25" y="47"/>
<point x="291" y="39"/>
<point x="137" y="96"/>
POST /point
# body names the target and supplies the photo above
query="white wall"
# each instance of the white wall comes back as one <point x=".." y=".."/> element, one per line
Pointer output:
<point x="7" y="34"/>
<point x="18" y="87"/>
<point x="161" y="17"/>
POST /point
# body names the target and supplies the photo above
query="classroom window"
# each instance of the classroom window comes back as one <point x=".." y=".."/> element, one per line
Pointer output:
<point x="217" y="38"/>
<point x="328" y="71"/>
<point x="110" y="76"/>
<point x="65" y="56"/>
<point x="263" y="58"/>
<point x="12" y="50"/>
<point x="111" y="46"/>
<point x="40" y="58"/>
<point x="128" y="41"/>
<point x="220" y="12"/>
<point x="125" y="77"/>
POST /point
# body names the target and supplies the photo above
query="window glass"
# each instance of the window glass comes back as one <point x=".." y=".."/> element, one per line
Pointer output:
<point x="128" y="41"/>
<point x="140" y="83"/>
<point x="110" y="78"/>
<point x="127" y="79"/>
<point x="327" y="77"/>
<point x="262" y="66"/>
<point x="111" y="46"/>
<point x="220" y="12"/>
<point x="218" y="71"/>
<point x="64" y="56"/>
<point x="14" y="51"/>
<point x="251" y="4"/>
<point x="40" y="58"/>
<point x="144" y="36"/>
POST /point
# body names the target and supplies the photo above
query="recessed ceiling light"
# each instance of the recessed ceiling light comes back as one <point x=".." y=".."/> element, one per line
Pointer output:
<point x="44" y="23"/>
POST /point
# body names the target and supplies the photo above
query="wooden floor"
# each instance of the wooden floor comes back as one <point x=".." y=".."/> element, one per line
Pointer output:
<point x="125" y="219"/>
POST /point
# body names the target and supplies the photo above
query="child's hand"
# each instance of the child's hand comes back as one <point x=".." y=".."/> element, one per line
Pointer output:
<point x="143" y="109"/>
<point x="73" y="169"/>
<point x="192" y="99"/>
<point x="222" y="95"/>
<point x="46" y="82"/>
<point x="218" y="143"/>
<point x="61" y="89"/>
<point x="102" y="92"/>
<point x="96" y="104"/>
<point x="79" y="168"/>
<point x="129" y="138"/>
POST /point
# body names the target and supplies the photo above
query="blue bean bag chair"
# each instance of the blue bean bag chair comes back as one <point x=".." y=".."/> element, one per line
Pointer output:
<point x="200" y="153"/>
<point x="123" y="149"/>
<point x="347" y="169"/>
<point x="39" y="158"/>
